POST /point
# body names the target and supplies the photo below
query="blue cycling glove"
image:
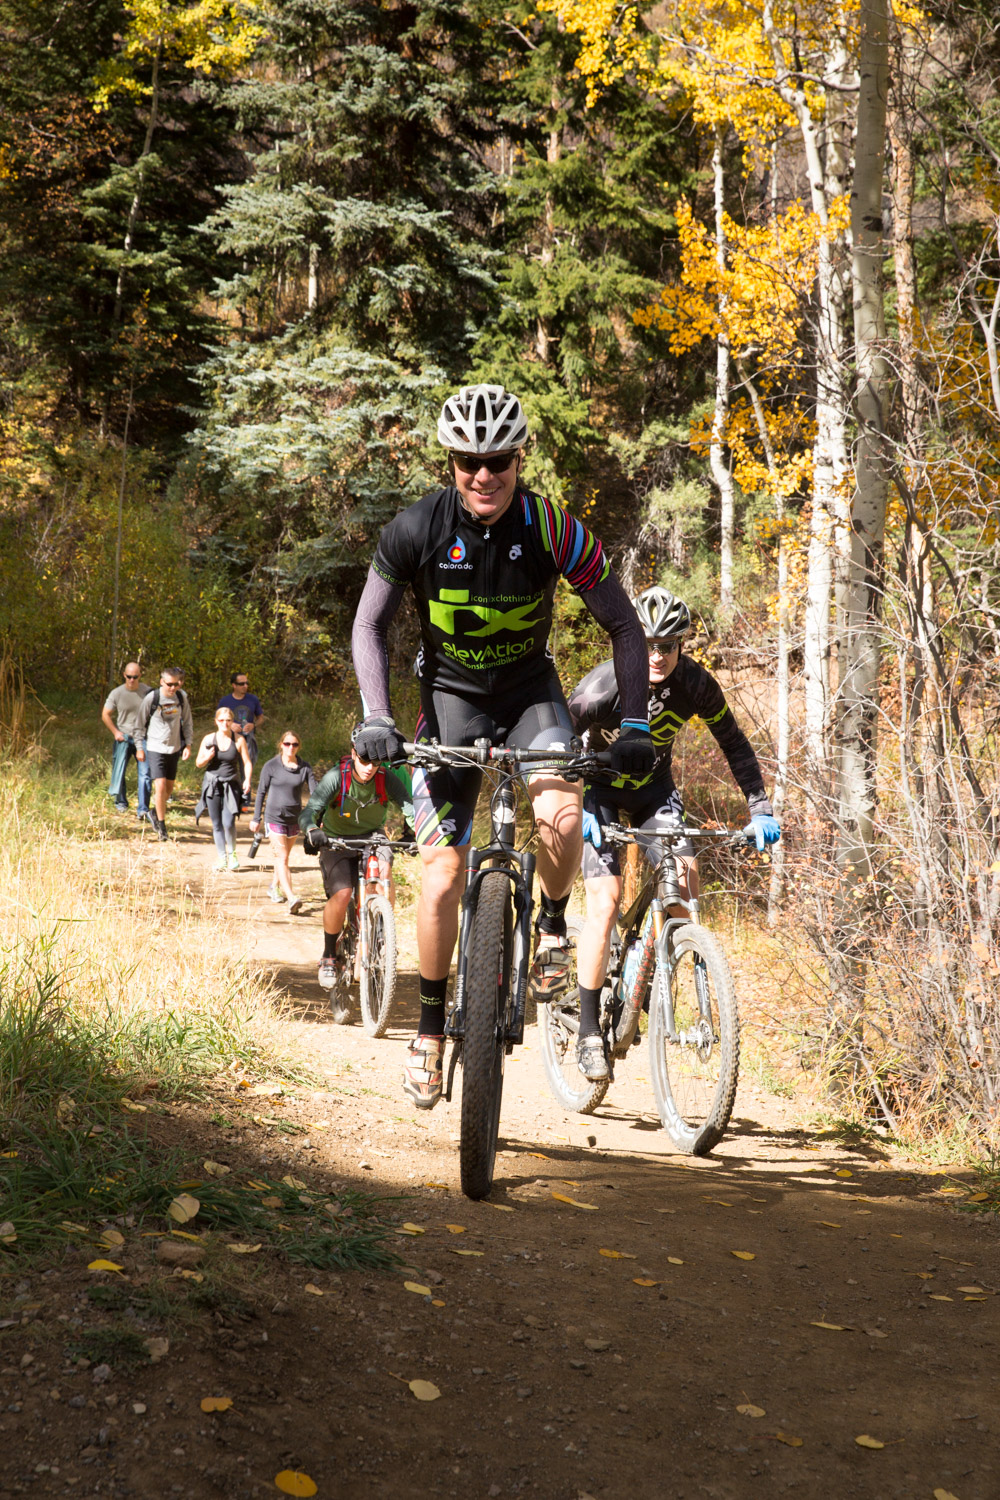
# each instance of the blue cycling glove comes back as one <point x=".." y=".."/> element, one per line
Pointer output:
<point x="591" y="830"/>
<point x="766" y="830"/>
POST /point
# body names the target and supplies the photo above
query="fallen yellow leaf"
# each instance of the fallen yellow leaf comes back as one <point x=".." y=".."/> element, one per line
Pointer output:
<point x="300" y="1187"/>
<point x="791" y="1442"/>
<point x="980" y="1198"/>
<point x="562" y="1198"/>
<point x="864" y="1441"/>
<point x="843" y="1172"/>
<point x="138" y="1109"/>
<point x="826" y="1223"/>
<point x="188" y="1275"/>
<point x="315" y="1290"/>
<point x="414" y="1286"/>
<point x="99" y="1265"/>
<point x="271" y="1202"/>
<point x="216" y="1403"/>
<point x="112" y="1237"/>
<point x="617" y="1255"/>
<point x="938" y="1297"/>
<point x="644" y="1281"/>
<point x="183" y="1208"/>
<point x="414" y="1228"/>
<point x="541" y="1155"/>
<point x="182" y="1234"/>
<point x="720" y="1201"/>
<point x="832" y="1327"/>
<point x="261" y="1187"/>
<point x="436" y="1302"/>
<point x="69" y="1227"/>
<point x="455" y="1228"/>
<point x="751" y="1411"/>
<point x="467" y="1252"/>
<point x="424" y="1390"/>
<point x="216" y="1169"/>
<point x="504" y="1208"/>
<point x="944" y="1495"/>
<point x="743" y="1254"/>
<point x="673" y="1261"/>
<point x="157" y="1348"/>
<point x="292" y="1482"/>
<point x="241" y="1249"/>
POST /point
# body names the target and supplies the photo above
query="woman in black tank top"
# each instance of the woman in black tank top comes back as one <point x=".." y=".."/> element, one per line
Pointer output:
<point x="225" y="786"/>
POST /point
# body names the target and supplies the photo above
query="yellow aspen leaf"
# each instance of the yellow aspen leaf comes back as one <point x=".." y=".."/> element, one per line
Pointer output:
<point x="260" y="1187"/>
<point x="112" y="1237"/>
<point x="436" y="1302"/>
<point x="826" y="1223"/>
<point x="319" y="1125"/>
<point x="791" y="1442"/>
<point x="293" y="1482"/>
<point x="216" y="1169"/>
<point x="424" y="1390"/>
<point x="455" y="1228"/>
<point x="994" y="870"/>
<point x="645" y="1281"/>
<point x="504" y="1208"/>
<point x="295" y="1183"/>
<point x="720" y="1201"/>
<point x="562" y="1198"/>
<point x="188" y="1275"/>
<point x="130" y="1104"/>
<point x="99" y="1265"/>
<point x="743" y="1254"/>
<point x="865" y="1441"/>
<point x="672" y="1260"/>
<point x="951" y="1190"/>
<point x="747" y="1410"/>
<point x="944" y="1495"/>
<point x="315" y="1290"/>
<point x="69" y="1227"/>
<point x="414" y="1286"/>
<point x="216" y="1403"/>
<point x="271" y="1202"/>
<point x="832" y="1327"/>
<point x="441" y="1186"/>
<point x="467" y="1252"/>
<point x="182" y="1234"/>
<point x="241" y="1249"/>
<point x="980" y="1198"/>
<point x="617" y="1255"/>
<point x="541" y="1155"/>
<point x="187" y="1186"/>
<point x="183" y="1208"/>
<point x="157" y="1348"/>
<point x="938" y="1297"/>
<point x="413" y="1228"/>
<point x="843" y="1172"/>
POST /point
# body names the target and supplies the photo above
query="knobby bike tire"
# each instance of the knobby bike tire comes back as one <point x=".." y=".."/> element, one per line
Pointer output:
<point x="487" y="987"/>
<point x="378" y="972"/>
<point x="559" y="1028"/>
<point x="694" y="1080"/>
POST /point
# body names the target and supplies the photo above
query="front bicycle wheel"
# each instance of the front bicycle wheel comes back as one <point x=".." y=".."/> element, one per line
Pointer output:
<point x="559" y="1028"/>
<point x="694" y="1036"/>
<point x="378" y="969"/>
<point x="487" y="992"/>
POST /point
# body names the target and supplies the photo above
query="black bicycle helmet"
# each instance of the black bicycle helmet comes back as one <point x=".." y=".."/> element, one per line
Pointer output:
<point x="660" y="614"/>
<point x="482" y="419"/>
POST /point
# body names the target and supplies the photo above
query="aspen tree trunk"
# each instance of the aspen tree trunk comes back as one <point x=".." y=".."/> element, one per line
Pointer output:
<point x="312" y="291"/>
<point x="721" y="472"/>
<point x="133" y="215"/>
<point x="553" y="153"/>
<point x="859" y="689"/>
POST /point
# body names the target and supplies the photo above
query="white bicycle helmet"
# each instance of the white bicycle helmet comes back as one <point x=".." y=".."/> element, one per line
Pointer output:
<point x="482" y="419"/>
<point x="660" y="614"/>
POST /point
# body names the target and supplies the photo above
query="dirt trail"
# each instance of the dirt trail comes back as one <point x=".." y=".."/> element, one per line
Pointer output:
<point x="560" y="1374"/>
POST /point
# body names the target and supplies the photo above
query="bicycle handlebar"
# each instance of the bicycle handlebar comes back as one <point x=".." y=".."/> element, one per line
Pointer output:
<point x="574" y="763"/>
<point x="615" y="833"/>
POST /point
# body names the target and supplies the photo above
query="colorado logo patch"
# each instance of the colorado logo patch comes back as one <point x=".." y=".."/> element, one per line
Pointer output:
<point x="456" y="552"/>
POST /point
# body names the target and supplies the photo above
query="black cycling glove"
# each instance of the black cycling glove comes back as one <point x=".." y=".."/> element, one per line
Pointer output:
<point x="632" y="753"/>
<point x="315" y="840"/>
<point x="379" y="739"/>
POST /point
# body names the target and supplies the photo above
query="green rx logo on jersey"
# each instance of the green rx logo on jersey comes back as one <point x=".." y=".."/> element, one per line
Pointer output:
<point x="451" y="601"/>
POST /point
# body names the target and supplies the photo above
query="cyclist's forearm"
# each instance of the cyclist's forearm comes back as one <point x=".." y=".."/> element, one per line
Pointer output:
<point x="369" y="644"/>
<point x="611" y="608"/>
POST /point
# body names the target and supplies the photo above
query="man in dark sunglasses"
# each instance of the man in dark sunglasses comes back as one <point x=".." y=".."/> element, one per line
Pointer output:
<point x="482" y="557"/>
<point x="119" y="715"/>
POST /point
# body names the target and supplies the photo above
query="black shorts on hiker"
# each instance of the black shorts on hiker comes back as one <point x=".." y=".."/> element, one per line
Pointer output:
<point x="444" y="801"/>
<point x="163" y="766"/>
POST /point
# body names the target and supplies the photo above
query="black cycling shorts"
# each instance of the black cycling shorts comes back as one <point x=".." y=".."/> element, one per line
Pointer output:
<point x="340" y="870"/>
<point x="444" y="800"/>
<point x="656" y="808"/>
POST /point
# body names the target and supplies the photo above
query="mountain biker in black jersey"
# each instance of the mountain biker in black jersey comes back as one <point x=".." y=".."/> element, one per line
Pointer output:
<point x="679" y="689"/>
<point x="483" y="557"/>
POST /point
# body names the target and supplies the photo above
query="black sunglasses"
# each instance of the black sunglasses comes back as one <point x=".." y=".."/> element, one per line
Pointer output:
<point x="664" y="647"/>
<point x="291" y="744"/>
<point x="471" y="463"/>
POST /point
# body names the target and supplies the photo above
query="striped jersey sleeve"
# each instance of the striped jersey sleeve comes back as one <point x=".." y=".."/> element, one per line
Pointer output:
<point x="575" y="550"/>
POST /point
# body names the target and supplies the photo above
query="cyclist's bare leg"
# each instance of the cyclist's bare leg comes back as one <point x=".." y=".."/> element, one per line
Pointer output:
<point x="557" y="807"/>
<point x="604" y="895"/>
<point x="371" y="887"/>
<point x="687" y="882"/>
<point x="335" y="911"/>
<point x="442" y="880"/>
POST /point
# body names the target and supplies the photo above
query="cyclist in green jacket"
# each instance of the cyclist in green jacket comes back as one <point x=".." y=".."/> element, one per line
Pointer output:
<point x="352" y="800"/>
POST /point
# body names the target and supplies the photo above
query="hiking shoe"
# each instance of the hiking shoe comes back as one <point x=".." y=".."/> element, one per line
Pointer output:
<point x="549" y="974"/>
<point x="121" y="807"/>
<point x="423" y="1071"/>
<point x="591" y="1059"/>
<point x="220" y="863"/>
<point x="234" y="861"/>
<point x="275" y="893"/>
<point x="295" y="906"/>
<point x="328" y="976"/>
<point x="161" y="829"/>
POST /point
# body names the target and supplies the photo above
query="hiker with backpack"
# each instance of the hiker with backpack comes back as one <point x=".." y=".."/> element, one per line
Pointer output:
<point x="352" y="800"/>
<point x="163" y="734"/>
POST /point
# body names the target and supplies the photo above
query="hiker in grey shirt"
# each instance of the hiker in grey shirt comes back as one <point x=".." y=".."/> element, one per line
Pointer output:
<point x="124" y="702"/>
<point x="163" y="736"/>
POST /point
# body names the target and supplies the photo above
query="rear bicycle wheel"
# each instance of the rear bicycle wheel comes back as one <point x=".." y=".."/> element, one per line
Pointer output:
<point x="378" y="970"/>
<point x="694" y="1037"/>
<point x="487" y="992"/>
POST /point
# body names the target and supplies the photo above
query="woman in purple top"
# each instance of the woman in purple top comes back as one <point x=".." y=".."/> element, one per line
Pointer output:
<point x="280" y="785"/>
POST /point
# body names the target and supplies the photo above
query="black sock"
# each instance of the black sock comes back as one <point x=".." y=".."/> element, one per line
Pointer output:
<point x="590" y="1008"/>
<point x="330" y="941"/>
<point x="432" y="1006"/>
<point x="552" y="918"/>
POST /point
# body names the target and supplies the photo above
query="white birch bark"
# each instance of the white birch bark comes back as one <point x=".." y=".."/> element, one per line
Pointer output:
<point x="721" y="472"/>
